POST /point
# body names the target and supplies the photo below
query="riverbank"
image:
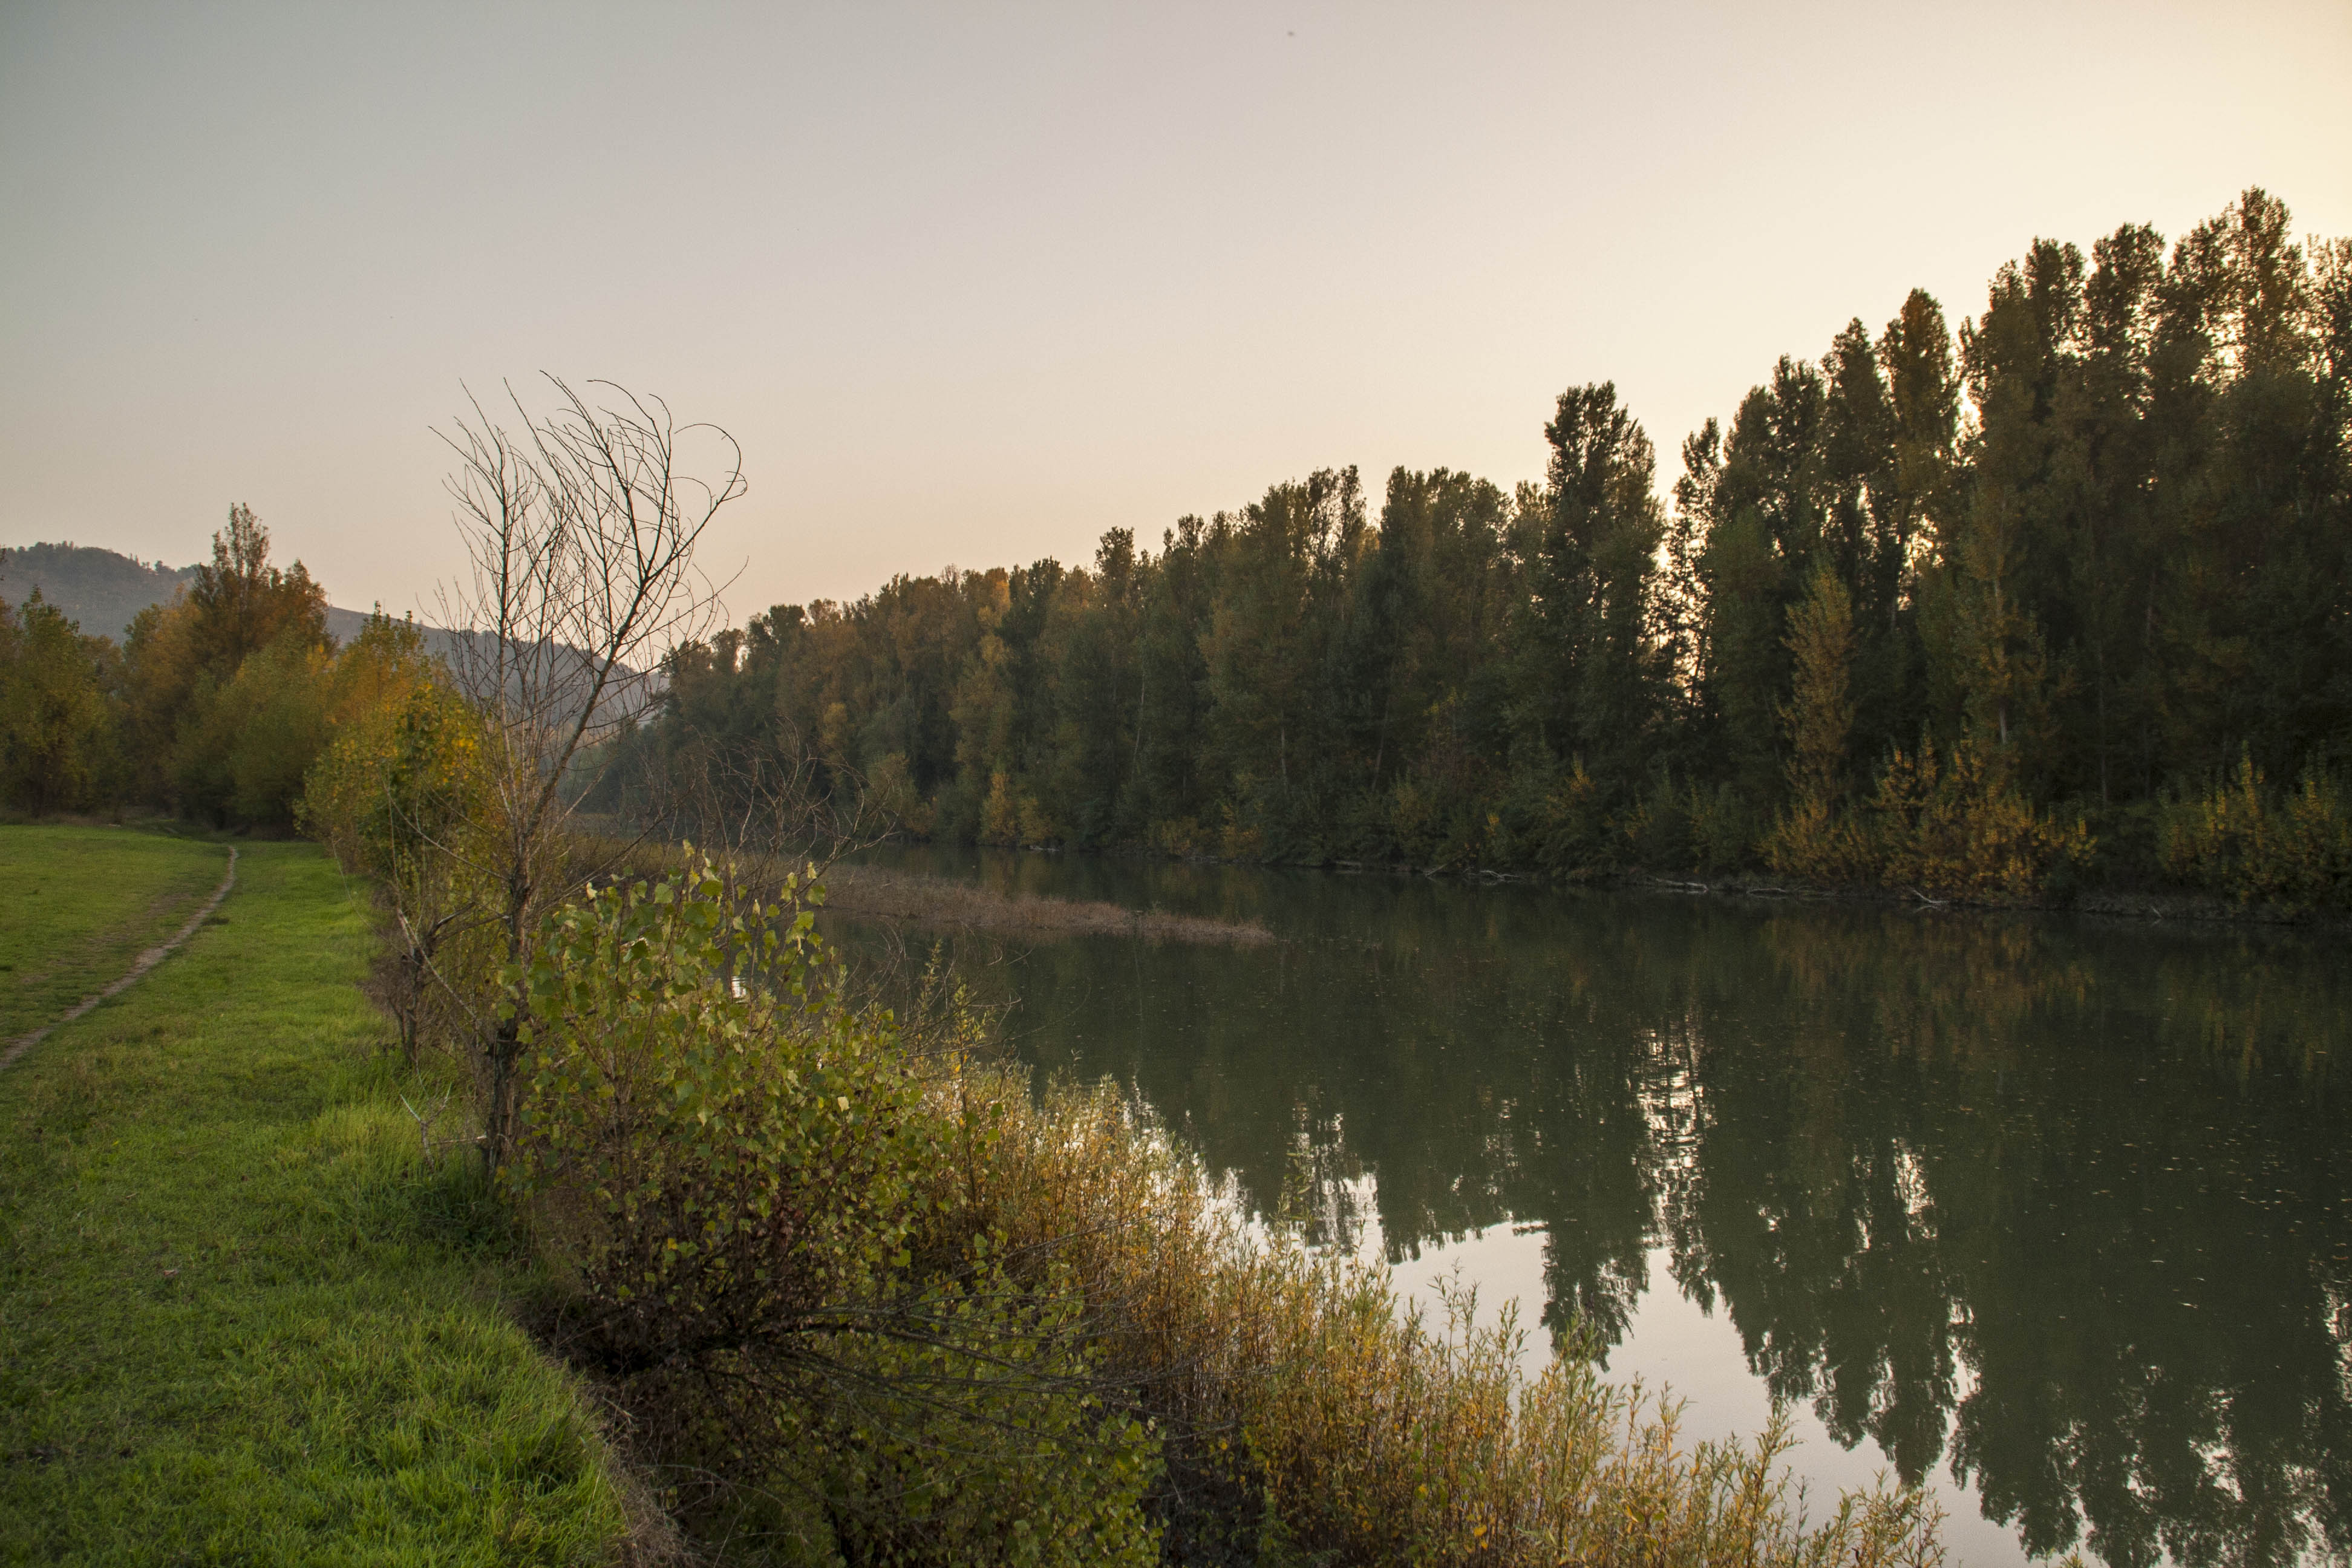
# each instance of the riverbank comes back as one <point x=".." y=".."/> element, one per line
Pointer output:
<point x="244" y="1314"/>
<point x="936" y="903"/>
<point x="249" y="1305"/>
<point x="1959" y="1177"/>
<point x="1070" y="1345"/>
<point x="2122" y="903"/>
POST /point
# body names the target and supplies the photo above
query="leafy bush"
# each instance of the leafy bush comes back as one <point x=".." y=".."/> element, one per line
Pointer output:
<point x="1960" y="825"/>
<point x="892" y="791"/>
<point x="245" y="744"/>
<point x="401" y="780"/>
<point x="1813" y="840"/>
<point x="57" y="729"/>
<point x="1721" y="827"/>
<point x="748" y="1183"/>
<point x="1000" y="813"/>
<point x="727" y="1147"/>
<point x="1555" y="817"/>
<point x="1179" y="837"/>
<point x="2245" y="841"/>
<point x="400" y="792"/>
<point x="985" y="1437"/>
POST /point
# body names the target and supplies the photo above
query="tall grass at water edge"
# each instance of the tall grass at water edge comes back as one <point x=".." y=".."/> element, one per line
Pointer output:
<point x="1293" y="1385"/>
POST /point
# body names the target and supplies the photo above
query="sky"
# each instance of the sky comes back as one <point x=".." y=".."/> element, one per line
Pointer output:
<point x="972" y="284"/>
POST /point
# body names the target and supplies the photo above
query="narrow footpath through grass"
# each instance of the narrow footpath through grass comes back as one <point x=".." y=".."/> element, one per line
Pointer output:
<point x="241" y="1320"/>
<point x="81" y="904"/>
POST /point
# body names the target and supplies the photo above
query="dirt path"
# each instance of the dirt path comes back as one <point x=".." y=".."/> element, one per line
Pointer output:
<point x="145" y="962"/>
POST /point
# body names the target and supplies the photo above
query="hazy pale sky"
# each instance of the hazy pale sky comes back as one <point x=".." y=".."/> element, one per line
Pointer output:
<point x="975" y="283"/>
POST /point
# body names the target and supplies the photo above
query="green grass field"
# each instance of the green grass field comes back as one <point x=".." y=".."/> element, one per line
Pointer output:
<point x="241" y="1320"/>
<point x="81" y="904"/>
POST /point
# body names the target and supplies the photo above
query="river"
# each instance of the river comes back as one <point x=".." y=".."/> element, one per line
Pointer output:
<point x="2051" y="1213"/>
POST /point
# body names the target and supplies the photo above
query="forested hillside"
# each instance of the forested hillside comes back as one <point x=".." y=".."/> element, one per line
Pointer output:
<point x="100" y="589"/>
<point x="2061" y="593"/>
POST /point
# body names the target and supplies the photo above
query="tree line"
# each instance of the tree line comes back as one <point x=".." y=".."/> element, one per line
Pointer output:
<point x="215" y="705"/>
<point x="862" y="1294"/>
<point x="2060" y="596"/>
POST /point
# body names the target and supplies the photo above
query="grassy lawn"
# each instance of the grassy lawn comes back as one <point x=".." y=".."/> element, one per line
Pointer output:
<point x="240" y="1320"/>
<point x="81" y="904"/>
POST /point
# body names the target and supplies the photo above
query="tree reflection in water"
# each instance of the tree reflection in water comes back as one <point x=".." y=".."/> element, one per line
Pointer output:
<point x="2065" y="1206"/>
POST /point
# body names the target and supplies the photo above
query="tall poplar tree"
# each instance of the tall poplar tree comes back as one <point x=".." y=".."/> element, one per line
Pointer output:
<point x="1591" y="670"/>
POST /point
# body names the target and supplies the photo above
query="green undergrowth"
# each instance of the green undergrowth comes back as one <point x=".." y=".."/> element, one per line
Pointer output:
<point x="243" y="1316"/>
<point x="871" y="1300"/>
<point x="82" y="904"/>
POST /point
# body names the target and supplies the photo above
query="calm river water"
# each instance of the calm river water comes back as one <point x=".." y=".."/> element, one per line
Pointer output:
<point x="2053" y="1214"/>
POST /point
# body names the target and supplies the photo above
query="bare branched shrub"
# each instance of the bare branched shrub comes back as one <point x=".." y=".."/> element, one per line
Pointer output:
<point x="580" y="529"/>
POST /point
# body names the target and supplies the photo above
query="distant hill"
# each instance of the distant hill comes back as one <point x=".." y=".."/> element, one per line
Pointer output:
<point x="99" y="588"/>
<point x="103" y="589"/>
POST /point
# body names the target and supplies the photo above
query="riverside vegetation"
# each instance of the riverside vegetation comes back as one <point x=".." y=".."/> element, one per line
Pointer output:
<point x="859" y="1291"/>
<point x="2057" y="602"/>
<point x="863" y="1295"/>
<point x="2050" y="1215"/>
<point x="851" y="1287"/>
<point x="882" y="1303"/>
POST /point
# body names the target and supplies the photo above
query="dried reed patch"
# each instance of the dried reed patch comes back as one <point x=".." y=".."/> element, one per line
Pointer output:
<point x="1298" y="1401"/>
<point x="867" y="892"/>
